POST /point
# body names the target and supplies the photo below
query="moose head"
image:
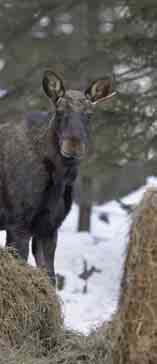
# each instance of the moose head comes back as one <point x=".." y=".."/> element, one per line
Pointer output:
<point x="73" y="109"/>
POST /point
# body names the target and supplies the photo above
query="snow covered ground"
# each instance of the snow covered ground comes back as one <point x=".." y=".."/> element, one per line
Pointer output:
<point x="103" y="252"/>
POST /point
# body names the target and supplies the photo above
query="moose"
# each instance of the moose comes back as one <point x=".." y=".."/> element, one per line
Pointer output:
<point x="39" y="161"/>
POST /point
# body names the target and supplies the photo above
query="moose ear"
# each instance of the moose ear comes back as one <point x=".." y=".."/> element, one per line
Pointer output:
<point x="99" y="91"/>
<point x="53" y="85"/>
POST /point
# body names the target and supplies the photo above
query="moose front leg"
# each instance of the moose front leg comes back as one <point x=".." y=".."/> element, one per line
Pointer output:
<point x="43" y="249"/>
<point x="18" y="239"/>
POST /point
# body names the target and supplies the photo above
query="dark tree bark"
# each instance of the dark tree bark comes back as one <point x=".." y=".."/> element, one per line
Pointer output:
<point x="85" y="204"/>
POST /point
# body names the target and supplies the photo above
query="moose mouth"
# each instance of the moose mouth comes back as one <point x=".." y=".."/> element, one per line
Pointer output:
<point x="72" y="150"/>
<point x="72" y="156"/>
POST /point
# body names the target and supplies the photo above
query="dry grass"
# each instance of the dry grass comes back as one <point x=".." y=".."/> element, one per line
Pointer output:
<point x="29" y="308"/>
<point x="138" y="297"/>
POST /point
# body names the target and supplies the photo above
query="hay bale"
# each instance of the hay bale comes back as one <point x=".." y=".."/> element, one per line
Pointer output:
<point x="29" y="308"/>
<point x="137" y="309"/>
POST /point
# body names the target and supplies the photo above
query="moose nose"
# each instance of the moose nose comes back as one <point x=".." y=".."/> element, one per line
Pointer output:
<point x="72" y="148"/>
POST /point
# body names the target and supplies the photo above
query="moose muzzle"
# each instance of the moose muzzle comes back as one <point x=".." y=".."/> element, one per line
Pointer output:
<point x="72" y="148"/>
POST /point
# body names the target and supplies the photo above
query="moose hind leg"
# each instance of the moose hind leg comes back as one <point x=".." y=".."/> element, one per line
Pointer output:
<point x="18" y="240"/>
<point x="43" y="249"/>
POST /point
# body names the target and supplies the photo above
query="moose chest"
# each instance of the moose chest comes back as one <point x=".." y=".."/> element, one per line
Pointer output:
<point x="56" y="200"/>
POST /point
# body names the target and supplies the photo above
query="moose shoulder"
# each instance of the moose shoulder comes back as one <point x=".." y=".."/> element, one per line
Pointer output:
<point x="39" y="161"/>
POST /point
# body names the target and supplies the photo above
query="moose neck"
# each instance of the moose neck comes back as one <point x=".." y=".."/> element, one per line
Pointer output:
<point x="46" y="143"/>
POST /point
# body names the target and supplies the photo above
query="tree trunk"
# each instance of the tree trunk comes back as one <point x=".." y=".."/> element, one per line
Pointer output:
<point x="85" y="204"/>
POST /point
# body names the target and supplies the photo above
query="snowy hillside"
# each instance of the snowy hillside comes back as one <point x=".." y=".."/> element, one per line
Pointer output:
<point x="97" y="256"/>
